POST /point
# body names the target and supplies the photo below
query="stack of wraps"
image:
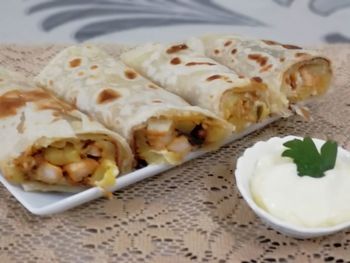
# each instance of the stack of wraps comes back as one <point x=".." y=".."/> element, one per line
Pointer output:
<point x="48" y="145"/>
<point x="159" y="126"/>
<point x="203" y="82"/>
<point x="291" y="73"/>
<point x="210" y="87"/>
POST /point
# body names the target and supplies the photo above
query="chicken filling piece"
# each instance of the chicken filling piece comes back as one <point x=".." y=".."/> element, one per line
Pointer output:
<point x="305" y="81"/>
<point x="244" y="108"/>
<point x="170" y="140"/>
<point x="88" y="161"/>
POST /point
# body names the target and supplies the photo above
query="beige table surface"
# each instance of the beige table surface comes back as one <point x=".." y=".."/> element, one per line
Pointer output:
<point x="192" y="213"/>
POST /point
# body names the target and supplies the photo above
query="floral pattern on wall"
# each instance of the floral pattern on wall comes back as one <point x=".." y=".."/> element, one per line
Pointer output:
<point x="85" y="20"/>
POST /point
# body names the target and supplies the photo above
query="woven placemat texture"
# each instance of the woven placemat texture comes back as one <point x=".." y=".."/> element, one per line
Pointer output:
<point x="192" y="213"/>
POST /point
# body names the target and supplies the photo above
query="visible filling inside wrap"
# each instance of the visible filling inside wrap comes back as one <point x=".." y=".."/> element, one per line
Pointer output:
<point x="243" y="106"/>
<point x="171" y="139"/>
<point x="89" y="160"/>
<point x="307" y="79"/>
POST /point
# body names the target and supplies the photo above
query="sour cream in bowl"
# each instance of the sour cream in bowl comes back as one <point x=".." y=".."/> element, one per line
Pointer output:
<point x="291" y="202"/>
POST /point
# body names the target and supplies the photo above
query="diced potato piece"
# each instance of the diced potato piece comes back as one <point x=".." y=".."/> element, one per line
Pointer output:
<point x="14" y="174"/>
<point x="159" y="141"/>
<point x="215" y="134"/>
<point x="180" y="145"/>
<point x="185" y="126"/>
<point x="307" y="77"/>
<point x="159" y="125"/>
<point x="108" y="149"/>
<point x="104" y="176"/>
<point x="172" y="157"/>
<point x="262" y="111"/>
<point x="77" y="171"/>
<point x="159" y="133"/>
<point x="93" y="150"/>
<point x="241" y="109"/>
<point x="155" y="156"/>
<point x="143" y="149"/>
<point x="28" y="163"/>
<point x="61" y="156"/>
<point x="99" y="172"/>
<point x="59" y="144"/>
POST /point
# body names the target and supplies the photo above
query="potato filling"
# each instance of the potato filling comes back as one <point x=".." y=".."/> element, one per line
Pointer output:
<point x="170" y="140"/>
<point x="307" y="80"/>
<point x="243" y="108"/>
<point x="90" y="160"/>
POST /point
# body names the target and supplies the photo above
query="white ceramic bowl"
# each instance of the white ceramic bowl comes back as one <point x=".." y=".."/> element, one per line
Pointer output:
<point x="244" y="170"/>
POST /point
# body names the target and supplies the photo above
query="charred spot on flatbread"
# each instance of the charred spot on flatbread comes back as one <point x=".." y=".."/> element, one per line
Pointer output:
<point x="214" y="77"/>
<point x="260" y="59"/>
<point x="300" y="54"/>
<point x="153" y="86"/>
<point x="75" y="63"/>
<point x="265" y="68"/>
<point x="291" y="47"/>
<point x="271" y="42"/>
<point x="175" y="61"/>
<point x="11" y="101"/>
<point x="130" y="74"/>
<point x="107" y="95"/>
<point x="176" y="48"/>
<point x="274" y="43"/>
<point x="199" y="63"/>
<point x="257" y="79"/>
<point x="227" y="43"/>
<point x="9" y="106"/>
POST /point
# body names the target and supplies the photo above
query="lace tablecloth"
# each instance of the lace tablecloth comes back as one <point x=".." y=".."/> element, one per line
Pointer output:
<point x="192" y="213"/>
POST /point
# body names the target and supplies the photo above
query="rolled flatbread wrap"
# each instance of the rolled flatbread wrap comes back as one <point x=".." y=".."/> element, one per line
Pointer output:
<point x="160" y="126"/>
<point x="202" y="82"/>
<point x="296" y="73"/>
<point x="48" y="145"/>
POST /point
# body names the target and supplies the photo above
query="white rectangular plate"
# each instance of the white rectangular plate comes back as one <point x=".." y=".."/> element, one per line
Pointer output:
<point x="46" y="203"/>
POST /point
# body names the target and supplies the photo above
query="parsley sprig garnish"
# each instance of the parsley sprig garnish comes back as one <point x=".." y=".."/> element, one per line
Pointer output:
<point x="309" y="161"/>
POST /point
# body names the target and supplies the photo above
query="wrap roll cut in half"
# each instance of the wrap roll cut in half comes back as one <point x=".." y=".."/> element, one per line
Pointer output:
<point x="160" y="126"/>
<point x="47" y="145"/>
<point x="202" y="82"/>
<point x="297" y="74"/>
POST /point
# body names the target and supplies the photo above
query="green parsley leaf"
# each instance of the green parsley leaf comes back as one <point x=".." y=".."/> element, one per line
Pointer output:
<point x="308" y="159"/>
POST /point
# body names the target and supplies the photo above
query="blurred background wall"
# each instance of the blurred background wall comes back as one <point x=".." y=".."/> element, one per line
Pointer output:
<point x="134" y="21"/>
